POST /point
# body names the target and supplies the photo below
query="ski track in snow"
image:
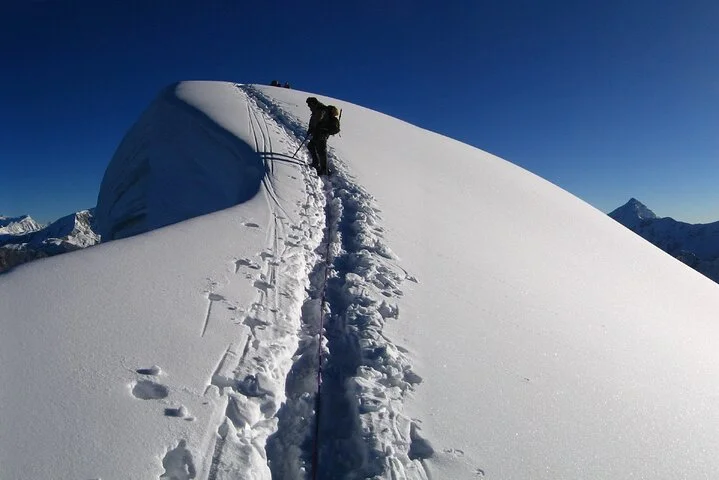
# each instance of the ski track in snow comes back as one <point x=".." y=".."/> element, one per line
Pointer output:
<point x="362" y="431"/>
<point x="251" y="374"/>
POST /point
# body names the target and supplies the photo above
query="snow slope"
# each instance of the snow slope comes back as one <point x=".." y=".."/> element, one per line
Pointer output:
<point x="478" y="320"/>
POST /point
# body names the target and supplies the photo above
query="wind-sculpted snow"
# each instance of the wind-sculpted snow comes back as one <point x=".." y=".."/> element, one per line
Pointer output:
<point x="187" y="155"/>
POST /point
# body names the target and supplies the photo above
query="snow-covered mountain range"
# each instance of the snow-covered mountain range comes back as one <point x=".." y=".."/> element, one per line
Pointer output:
<point x="18" y="225"/>
<point x="22" y="239"/>
<point x="470" y="322"/>
<point x="697" y="245"/>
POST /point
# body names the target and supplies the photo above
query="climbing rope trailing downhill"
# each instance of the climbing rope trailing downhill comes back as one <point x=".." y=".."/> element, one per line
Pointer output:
<point x="323" y="302"/>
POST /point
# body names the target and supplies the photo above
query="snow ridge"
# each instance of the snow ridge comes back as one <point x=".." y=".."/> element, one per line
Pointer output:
<point x="362" y="431"/>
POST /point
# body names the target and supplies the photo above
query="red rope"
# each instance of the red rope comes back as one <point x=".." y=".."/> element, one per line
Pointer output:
<point x="318" y="397"/>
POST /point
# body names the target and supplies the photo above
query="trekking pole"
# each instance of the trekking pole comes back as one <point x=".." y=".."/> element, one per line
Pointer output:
<point x="298" y="148"/>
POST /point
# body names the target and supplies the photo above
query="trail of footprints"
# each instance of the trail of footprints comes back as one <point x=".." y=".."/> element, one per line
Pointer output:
<point x="365" y="279"/>
<point x="249" y="377"/>
<point x="177" y="462"/>
<point x="146" y="387"/>
<point x="251" y="372"/>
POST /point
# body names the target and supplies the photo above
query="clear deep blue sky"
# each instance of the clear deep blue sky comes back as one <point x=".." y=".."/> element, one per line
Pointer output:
<point x="609" y="99"/>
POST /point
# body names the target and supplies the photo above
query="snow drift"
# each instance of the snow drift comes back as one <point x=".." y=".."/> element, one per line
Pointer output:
<point x="176" y="163"/>
<point x="477" y="320"/>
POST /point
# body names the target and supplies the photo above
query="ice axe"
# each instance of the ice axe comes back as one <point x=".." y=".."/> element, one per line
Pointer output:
<point x="298" y="148"/>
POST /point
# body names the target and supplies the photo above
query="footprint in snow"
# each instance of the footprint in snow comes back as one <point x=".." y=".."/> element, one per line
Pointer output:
<point x="213" y="297"/>
<point x="262" y="285"/>
<point x="251" y="387"/>
<point x="454" y="451"/>
<point x="245" y="262"/>
<point x="412" y="378"/>
<point x="419" y="447"/>
<point x="153" y="370"/>
<point x="179" y="412"/>
<point x="254" y="322"/>
<point x="149" y="390"/>
<point x="178" y="463"/>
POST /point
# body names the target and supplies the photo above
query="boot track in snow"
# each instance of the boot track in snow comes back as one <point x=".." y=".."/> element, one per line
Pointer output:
<point x="249" y="377"/>
<point x="353" y="277"/>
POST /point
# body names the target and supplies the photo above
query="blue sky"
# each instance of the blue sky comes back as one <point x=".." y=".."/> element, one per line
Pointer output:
<point x="608" y="100"/>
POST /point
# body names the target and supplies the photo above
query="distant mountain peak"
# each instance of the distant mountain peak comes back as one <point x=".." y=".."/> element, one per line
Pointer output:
<point x="18" y="225"/>
<point x="632" y="212"/>
<point x="693" y="244"/>
<point x="5" y="220"/>
<point x="23" y="240"/>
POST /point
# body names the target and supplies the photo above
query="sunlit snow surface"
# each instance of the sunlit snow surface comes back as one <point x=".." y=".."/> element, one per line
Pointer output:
<point x="479" y="321"/>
